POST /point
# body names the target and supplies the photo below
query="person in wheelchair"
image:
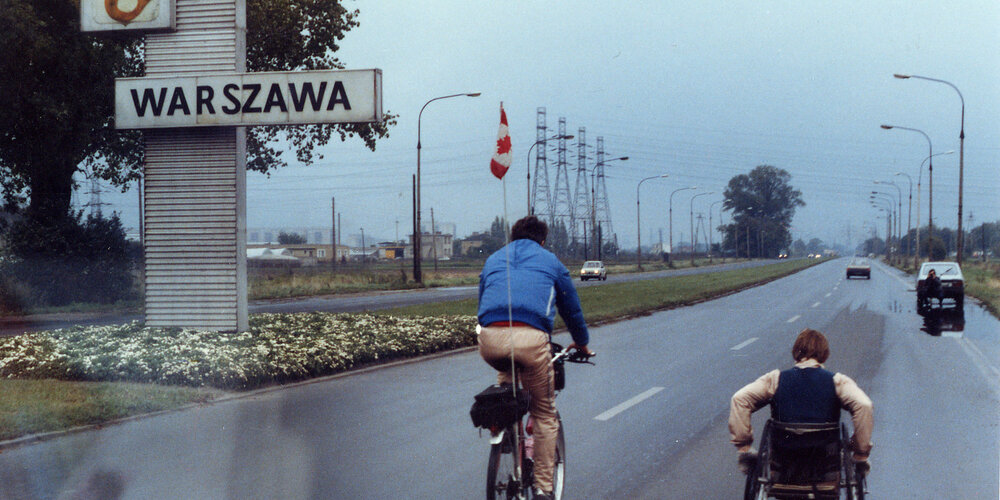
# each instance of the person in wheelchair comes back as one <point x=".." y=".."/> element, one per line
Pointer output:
<point x="804" y="394"/>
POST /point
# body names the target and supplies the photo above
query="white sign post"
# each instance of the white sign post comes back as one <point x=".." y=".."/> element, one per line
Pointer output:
<point x="196" y="101"/>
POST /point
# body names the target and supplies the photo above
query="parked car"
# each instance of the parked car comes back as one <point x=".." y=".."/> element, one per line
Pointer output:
<point x="952" y="285"/>
<point x="858" y="267"/>
<point x="593" y="269"/>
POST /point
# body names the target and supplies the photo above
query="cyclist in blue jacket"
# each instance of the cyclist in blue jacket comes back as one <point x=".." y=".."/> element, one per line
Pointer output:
<point x="539" y="285"/>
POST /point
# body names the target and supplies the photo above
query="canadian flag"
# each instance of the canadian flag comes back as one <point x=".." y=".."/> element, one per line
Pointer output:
<point x="501" y="159"/>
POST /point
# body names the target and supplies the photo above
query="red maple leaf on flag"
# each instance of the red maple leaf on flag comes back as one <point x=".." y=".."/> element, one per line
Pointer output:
<point x="501" y="159"/>
<point x="503" y="145"/>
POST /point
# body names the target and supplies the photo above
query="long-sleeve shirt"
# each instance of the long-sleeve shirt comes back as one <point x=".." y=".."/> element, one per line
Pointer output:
<point x="759" y="393"/>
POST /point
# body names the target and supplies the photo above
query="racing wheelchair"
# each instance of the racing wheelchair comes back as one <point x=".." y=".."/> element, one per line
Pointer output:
<point x="800" y="461"/>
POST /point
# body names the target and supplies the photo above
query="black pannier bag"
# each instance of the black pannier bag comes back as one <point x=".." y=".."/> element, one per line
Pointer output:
<point x="496" y="406"/>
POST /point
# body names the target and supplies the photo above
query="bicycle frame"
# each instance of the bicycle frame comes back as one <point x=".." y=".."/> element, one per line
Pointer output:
<point x="521" y="478"/>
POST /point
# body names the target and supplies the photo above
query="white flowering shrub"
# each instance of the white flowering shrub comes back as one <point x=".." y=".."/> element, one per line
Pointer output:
<point x="277" y="348"/>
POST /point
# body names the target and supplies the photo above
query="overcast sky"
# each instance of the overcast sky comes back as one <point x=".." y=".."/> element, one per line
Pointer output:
<point x="701" y="91"/>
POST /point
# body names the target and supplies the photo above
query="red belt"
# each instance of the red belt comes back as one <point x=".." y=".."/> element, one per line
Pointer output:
<point x="500" y="324"/>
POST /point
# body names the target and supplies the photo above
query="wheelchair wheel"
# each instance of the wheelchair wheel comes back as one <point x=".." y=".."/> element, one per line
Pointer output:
<point x="846" y="465"/>
<point x="754" y="489"/>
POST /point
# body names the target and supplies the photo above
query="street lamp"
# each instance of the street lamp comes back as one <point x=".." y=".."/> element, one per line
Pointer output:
<point x="417" y="236"/>
<point x="531" y="210"/>
<point x="920" y="176"/>
<point x="671" y="223"/>
<point x="899" y="202"/>
<point x="711" y="229"/>
<point x="364" y="253"/>
<point x="909" y="210"/>
<point x="960" y="243"/>
<point x="593" y="203"/>
<point x="930" y="177"/>
<point x="638" y="225"/>
<point x="692" y="223"/>
<point x="883" y="197"/>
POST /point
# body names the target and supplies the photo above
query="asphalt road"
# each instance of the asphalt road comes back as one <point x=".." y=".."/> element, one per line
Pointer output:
<point x="371" y="301"/>
<point x="404" y="431"/>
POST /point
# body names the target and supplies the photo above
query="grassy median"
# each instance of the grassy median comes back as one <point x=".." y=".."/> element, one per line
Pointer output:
<point x="622" y="300"/>
<point x="103" y="363"/>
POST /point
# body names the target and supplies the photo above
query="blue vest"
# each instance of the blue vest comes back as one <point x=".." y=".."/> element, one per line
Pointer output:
<point x="806" y="395"/>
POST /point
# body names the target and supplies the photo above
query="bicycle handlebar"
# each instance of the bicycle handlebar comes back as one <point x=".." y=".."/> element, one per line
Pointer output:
<point x="573" y="356"/>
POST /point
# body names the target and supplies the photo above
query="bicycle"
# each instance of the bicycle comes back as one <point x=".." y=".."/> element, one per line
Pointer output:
<point x="510" y="475"/>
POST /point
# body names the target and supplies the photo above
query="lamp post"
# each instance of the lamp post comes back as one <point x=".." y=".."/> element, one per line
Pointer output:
<point x="670" y="257"/>
<point x="920" y="176"/>
<point x="692" y="223"/>
<point x="531" y="209"/>
<point x="711" y="229"/>
<point x="899" y="203"/>
<point x="638" y="225"/>
<point x="593" y="204"/>
<point x="364" y="251"/>
<point x="960" y="243"/>
<point x="417" y="276"/>
<point x="909" y="210"/>
<point x="886" y="199"/>
<point x="930" y="177"/>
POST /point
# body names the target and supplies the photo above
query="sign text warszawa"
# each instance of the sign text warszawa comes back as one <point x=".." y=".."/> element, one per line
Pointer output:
<point x="248" y="99"/>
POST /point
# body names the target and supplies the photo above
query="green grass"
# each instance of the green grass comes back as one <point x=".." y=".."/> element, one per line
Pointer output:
<point x="37" y="406"/>
<point x="619" y="300"/>
<point x="982" y="281"/>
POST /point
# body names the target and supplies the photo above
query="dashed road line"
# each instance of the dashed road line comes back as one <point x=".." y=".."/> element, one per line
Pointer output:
<point x="741" y="345"/>
<point x="816" y="304"/>
<point x="829" y="294"/>
<point x="793" y="319"/>
<point x="608" y="415"/>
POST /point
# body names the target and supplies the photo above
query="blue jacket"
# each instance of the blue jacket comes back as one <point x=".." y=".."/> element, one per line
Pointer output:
<point x="539" y="286"/>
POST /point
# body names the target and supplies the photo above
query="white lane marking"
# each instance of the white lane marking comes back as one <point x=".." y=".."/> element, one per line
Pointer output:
<point x="741" y="345"/>
<point x="608" y="415"/>
<point x="793" y="319"/>
<point x="816" y="304"/>
<point x="981" y="362"/>
<point x="829" y="294"/>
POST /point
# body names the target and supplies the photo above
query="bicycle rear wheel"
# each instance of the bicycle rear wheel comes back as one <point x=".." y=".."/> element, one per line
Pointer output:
<point x="559" y="470"/>
<point x="502" y="481"/>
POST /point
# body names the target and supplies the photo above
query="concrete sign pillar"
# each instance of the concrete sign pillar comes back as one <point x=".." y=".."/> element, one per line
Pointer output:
<point x="195" y="182"/>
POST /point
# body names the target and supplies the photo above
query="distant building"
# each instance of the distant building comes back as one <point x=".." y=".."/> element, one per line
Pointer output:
<point x="436" y="245"/>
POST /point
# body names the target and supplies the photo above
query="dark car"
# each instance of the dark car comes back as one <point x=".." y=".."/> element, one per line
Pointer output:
<point x="859" y="268"/>
<point x="952" y="285"/>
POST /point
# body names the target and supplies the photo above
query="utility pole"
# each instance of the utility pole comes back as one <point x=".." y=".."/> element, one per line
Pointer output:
<point x="434" y="243"/>
<point x="333" y="232"/>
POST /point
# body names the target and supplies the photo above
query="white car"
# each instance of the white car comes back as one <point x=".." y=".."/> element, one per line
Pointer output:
<point x="593" y="269"/>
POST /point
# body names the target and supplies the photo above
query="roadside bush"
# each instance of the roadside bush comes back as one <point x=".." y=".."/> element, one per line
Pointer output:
<point x="278" y="348"/>
<point x="63" y="261"/>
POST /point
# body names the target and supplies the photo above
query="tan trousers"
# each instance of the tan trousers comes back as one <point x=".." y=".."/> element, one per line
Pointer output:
<point x="532" y="353"/>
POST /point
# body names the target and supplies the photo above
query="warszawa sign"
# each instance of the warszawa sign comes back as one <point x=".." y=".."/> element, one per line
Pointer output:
<point x="248" y="99"/>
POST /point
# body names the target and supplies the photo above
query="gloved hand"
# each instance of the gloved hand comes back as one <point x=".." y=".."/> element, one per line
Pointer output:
<point x="747" y="461"/>
<point x="862" y="467"/>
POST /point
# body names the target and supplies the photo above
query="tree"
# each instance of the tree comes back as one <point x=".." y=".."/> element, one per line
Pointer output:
<point x="799" y="248"/>
<point x="763" y="204"/>
<point x="815" y="245"/>
<point x="291" y="238"/>
<point x="57" y="85"/>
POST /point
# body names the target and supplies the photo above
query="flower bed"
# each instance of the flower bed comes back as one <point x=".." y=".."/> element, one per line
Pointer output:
<point x="277" y="348"/>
